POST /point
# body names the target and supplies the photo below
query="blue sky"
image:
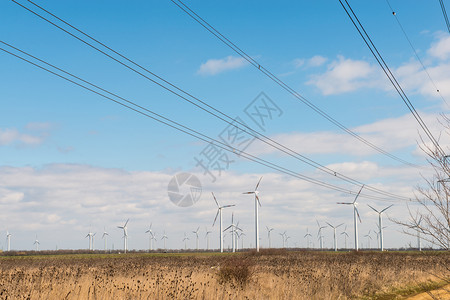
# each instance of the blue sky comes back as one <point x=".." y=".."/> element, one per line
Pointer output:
<point x="71" y="160"/>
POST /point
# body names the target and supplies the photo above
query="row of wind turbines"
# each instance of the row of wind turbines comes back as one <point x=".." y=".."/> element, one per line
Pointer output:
<point x="237" y="232"/>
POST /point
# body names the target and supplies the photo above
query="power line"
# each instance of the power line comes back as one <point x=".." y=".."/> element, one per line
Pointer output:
<point x="415" y="52"/>
<point x="444" y="12"/>
<point x="216" y="113"/>
<point x="368" y="41"/>
<point x="173" y="124"/>
<point x="281" y="83"/>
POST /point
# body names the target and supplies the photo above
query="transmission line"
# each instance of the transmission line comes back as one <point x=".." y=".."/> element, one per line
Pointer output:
<point x="444" y="12"/>
<point x="173" y="124"/>
<point x="368" y="41"/>
<point x="415" y="52"/>
<point x="281" y="83"/>
<point x="215" y="112"/>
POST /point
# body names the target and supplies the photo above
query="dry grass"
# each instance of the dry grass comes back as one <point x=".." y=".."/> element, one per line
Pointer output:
<point x="268" y="275"/>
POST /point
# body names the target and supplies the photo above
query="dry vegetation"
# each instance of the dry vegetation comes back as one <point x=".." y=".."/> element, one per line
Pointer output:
<point x="269" y="275"/>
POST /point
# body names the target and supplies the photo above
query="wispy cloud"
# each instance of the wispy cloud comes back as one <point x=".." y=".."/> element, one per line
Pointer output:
<point x="12" y="136"/>
<point x="216" y="66"/>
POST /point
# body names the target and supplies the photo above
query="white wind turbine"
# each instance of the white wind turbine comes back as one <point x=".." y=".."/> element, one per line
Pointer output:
<point x="219" y="212"/>
<point x="207" y="237"/>
<point x="90" y="235"/>
<point x="234" y="228"/>
<point x="125" y="235"/>
<point x="36" y="242"/>
<point x="196" y="234"/>
<point x="345" y="236"/>
<point x="320" y="235"/>
<point x="419" y="229"/>
<point x="369" y="238"/>
<point x="257" y="202"/>
<point x="334" y="234"/>
<point x="268" y="235"/>
<point x="164" y="238"/>
<point x="355" y="215"/>
<point x="8" y="240"/>
<point x="185" y="239"/>
<point x="150" y="237"/>
<point x="105" y="237"/>
<point x="307" y="236"/>
<point x="380" y="223"/>
<point x="283" y="237"/>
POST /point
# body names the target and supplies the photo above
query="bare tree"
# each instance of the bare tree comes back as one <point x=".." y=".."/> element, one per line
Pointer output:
<point x="429" y="217"/>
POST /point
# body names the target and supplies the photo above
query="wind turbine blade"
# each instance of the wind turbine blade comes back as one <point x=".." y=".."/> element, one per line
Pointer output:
<point x="373" y="208"/>
<point x="330" y="225"/>
<point x="256" y="188"/>
<point x="340" y="225"/>
<point x="228" y="228"/>
<point x="318" y="223"/>
<point x="215" y="199"/>
<point x="257" y="198"/>
<point x="357" y="213"/>
<point x="344" y="203"/>
<point x="225" y="206"/>
<point x="248" y="193"/>
<point x="216" y="217"/>
<point x="358" y="193"/>
<point x="126" y="223"/>
<point x="387" y="208"/>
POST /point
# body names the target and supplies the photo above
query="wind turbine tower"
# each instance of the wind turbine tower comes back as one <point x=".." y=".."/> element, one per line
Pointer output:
<point x="125" y="236"/>
<point x="8" y="240"/>
<point x="219" y="212"/>
<point x="334" y="234"/>
<point x="150" y="237"/>
<point x="268" y="235"/>
<point x="257" y="202"/>
<point x="196" y="234"/>
<point x="380" y="223"/>
<point x="105" y="237"/>
<point x="36" y="242"/>
<point x="307" y="236"/>
<point x="355" y="215"/>
<point x="207" y="237"/>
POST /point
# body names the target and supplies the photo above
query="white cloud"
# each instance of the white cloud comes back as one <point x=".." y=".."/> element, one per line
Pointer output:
<point x="441" y="48"/>
<point x="11" y="136"/>
<point x="216" y="66"/>
<point x="379" y="133"/>
<point x="344" y="75"/>
<point x="317" y="61"/>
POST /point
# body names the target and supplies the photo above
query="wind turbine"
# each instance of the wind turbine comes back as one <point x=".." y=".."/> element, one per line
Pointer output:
<point x="207" y="237"/>
<point x="368" y="239"/>
<point x="150" y="237"/>
<point x="90" y="235"/>
<point x="36" y="242"/>
<point x="219" y="212"/>
<point x="283" y="237"/>
<point x="319" y="234"/>
<point x="307" y="236"/>
<point x="185" y="239"/>
<point x="164" y="237"/>
<point x="334" y="234"/>
<point x="196" y="234"/>
<point x="380" y="223"/>
<point x="8" y="239"/>
<point x="419" y="244"/>
<point x="125" y="236"/>
<point x="345" y="236"/>
<point x="355" y="214"/>
<point x="268" y="235"/>
<point x="256" y="192"/>
<point x="105" y="237"/>
<point x="234" y="229"/>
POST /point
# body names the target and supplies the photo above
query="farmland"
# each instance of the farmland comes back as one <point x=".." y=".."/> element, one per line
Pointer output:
<point x="271" y="274"/>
